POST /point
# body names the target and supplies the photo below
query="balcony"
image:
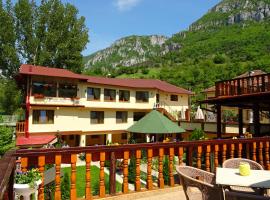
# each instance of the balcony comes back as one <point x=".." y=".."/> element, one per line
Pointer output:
<point x="243" y="86"/>
<point x="205" y="155"/>
<point x="55" y="101"/>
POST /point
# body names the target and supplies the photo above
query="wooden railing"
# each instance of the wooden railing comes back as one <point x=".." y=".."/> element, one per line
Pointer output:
<point x="20" y="127"/>
<point x="246" y="85"/>
<point x="205" y="155"/>
<point x="7" y="167"/>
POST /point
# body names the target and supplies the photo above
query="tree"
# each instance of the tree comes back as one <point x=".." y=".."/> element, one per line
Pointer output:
<point x="50" y="34"/>
<point x="6" y="142"/>
<point x="10" y="97"/>
<point x="9" y="60"/>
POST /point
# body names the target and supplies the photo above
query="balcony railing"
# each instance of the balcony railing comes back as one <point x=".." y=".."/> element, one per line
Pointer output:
<point x="20" y="127"/>
<point x="205" y="155"/>
<point x="241" y="86"/>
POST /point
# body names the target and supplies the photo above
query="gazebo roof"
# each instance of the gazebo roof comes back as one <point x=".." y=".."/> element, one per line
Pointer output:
<point x="155" y="123"/>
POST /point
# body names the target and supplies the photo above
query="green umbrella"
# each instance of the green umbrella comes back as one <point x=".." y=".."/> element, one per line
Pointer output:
<point x="155" y="123"/>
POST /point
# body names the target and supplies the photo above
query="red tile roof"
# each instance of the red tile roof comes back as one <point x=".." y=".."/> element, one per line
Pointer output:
<point x="120" y="82"/>
<point x="34" y="140"/>
<point x="48" y="71"/>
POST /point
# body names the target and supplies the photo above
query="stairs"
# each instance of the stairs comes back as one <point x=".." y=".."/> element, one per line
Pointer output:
<point x="167" y="114"/>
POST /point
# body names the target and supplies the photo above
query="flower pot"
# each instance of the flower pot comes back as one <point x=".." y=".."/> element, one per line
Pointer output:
<point x="25" y="190"/>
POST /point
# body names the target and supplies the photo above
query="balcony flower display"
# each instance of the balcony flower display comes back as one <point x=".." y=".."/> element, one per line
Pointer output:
<point x="26" y="183"/>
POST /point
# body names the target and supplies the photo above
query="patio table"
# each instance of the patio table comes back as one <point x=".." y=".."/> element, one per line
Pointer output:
<point x="231" y="177"/>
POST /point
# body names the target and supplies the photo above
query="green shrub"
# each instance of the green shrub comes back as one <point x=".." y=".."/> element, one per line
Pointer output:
<point x="197" y="134"/>
<point x="65" y="187"/>
<point x="6" y="141"/>
<point x="132" y="170"/>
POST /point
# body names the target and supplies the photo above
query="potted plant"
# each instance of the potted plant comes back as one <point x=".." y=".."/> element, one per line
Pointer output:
<point x="26" y="183"/>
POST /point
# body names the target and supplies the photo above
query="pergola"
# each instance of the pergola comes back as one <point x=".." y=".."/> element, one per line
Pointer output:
<point x="251" y="92"/>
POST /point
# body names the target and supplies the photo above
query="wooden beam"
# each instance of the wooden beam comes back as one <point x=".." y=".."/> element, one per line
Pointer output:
<point x="240" y="121"/>
<point x="218" y="120"/>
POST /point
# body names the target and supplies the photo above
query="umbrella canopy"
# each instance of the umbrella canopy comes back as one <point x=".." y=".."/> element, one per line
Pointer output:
<point x="155" y="123"/>
<point x="199" y="113"/>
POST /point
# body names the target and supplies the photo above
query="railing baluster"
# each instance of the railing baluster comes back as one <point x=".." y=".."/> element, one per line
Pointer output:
<point x="149" y="169"/>
<point x="138" y="171"/>
<point x="88" y="194"/>
<point x="171" y="156"/>
<point x="199" y="154"/>
<point x="248" y="150"/>
<point x="267" y="165"/>
<point x="207" y="158"/>
<point x="112" y="174"/>
<point x="261" y="153"/>
<point x="224" y="152"/>
<point x="160" y="168"/>
<point x="57" y="194"/>
<point x="73" y="195"/>
<point x="24" y="164"/>
<point x="180" y="155"/>
<point x="232" y="150"/>
<point x="254" y="152"/>
<point x="239" y="150"/>
<point x="102" y="175"/>
<point x="125" y="172"/>
<point x="41" y="164"/>
<point x="216" y="156"/>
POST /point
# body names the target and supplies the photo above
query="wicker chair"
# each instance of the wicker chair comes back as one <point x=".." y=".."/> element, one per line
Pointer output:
<point x="198" y="184"/>
<point x="230" y="195"/>
<point x="234" y="163"/>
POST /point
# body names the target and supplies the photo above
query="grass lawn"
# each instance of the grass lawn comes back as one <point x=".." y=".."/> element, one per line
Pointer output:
<point x="80" y="180"/>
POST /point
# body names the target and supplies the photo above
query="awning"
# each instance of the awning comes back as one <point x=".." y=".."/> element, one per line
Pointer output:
<point x="36" y="140"/>
<point x="155" y="123"/>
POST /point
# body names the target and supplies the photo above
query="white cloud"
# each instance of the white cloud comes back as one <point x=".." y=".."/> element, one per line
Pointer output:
<point x="124" y="5"/>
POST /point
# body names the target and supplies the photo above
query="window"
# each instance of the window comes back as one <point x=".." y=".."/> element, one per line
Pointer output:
<point x="44" y="88"/>
<point x="95" y="136"/>
<point x="67" y="90"/>
<point x="138" y="115"/>
<point x="124" y="136"/>
<point x="109" y="95"/>
<point x="121" y="116"/>
<point x="124" y="95"/>
<point x="43" y="116"/>
<point x="142" y="96"/>
<point x="93" y="93"/>
<point x="174" y="97"/>
<point x="97" y="117"/>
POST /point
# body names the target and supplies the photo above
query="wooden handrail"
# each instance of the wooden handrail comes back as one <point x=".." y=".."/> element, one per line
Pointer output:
<point x="7" y="167"/>
<point x="246" y="85"/>
<point x="206" y="155"/>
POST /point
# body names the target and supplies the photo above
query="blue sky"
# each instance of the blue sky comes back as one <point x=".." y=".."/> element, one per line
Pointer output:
<point x="109" y="20"/>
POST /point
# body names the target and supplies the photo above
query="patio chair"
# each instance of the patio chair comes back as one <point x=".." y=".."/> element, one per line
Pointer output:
<point x="234" y="163"/>
<point x="198" y="184"/>
<point x="230" y="195"/>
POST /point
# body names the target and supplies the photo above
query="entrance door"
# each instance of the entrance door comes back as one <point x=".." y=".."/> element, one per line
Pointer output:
<point x="157" y="100"/>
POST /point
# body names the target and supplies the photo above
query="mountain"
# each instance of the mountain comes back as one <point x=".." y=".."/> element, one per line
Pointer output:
<point x="231" y="38"/>
<point x="130" y="51"/>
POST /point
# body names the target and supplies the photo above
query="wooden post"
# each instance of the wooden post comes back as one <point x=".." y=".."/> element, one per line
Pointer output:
<point x="240" y="121"/>
<point x="256" y="119"/>
<point x="199" y="153"/>
<point x="219" y="134"/>
<point x="267" y="165"/>
<point x="180" y="155"/>
<point x="224" y="152"/>
<point x="24" y="164"/>
<point x="248" y="150"/>
<point x="149" y="169"/>
<point x="138" y="171"/>
<point x="102" y="175"/>
<point x="41" y="166"/>
<point x="112" y="174"/>
<point x="171" y="156"/>
<point x="239" y="150"/>
<point x="88" y="194"/>
<point x="232" y="150"/>
<point x="125" y="172"/>
<point x="57" y="193"/>
<point x="254" y="151"/>
<point x="216" y="156"/>
<point x="261" y="153"/>
<point x="160" y="168"/>
<point x="73" y="195"/>
<point x="207" y="158"/>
